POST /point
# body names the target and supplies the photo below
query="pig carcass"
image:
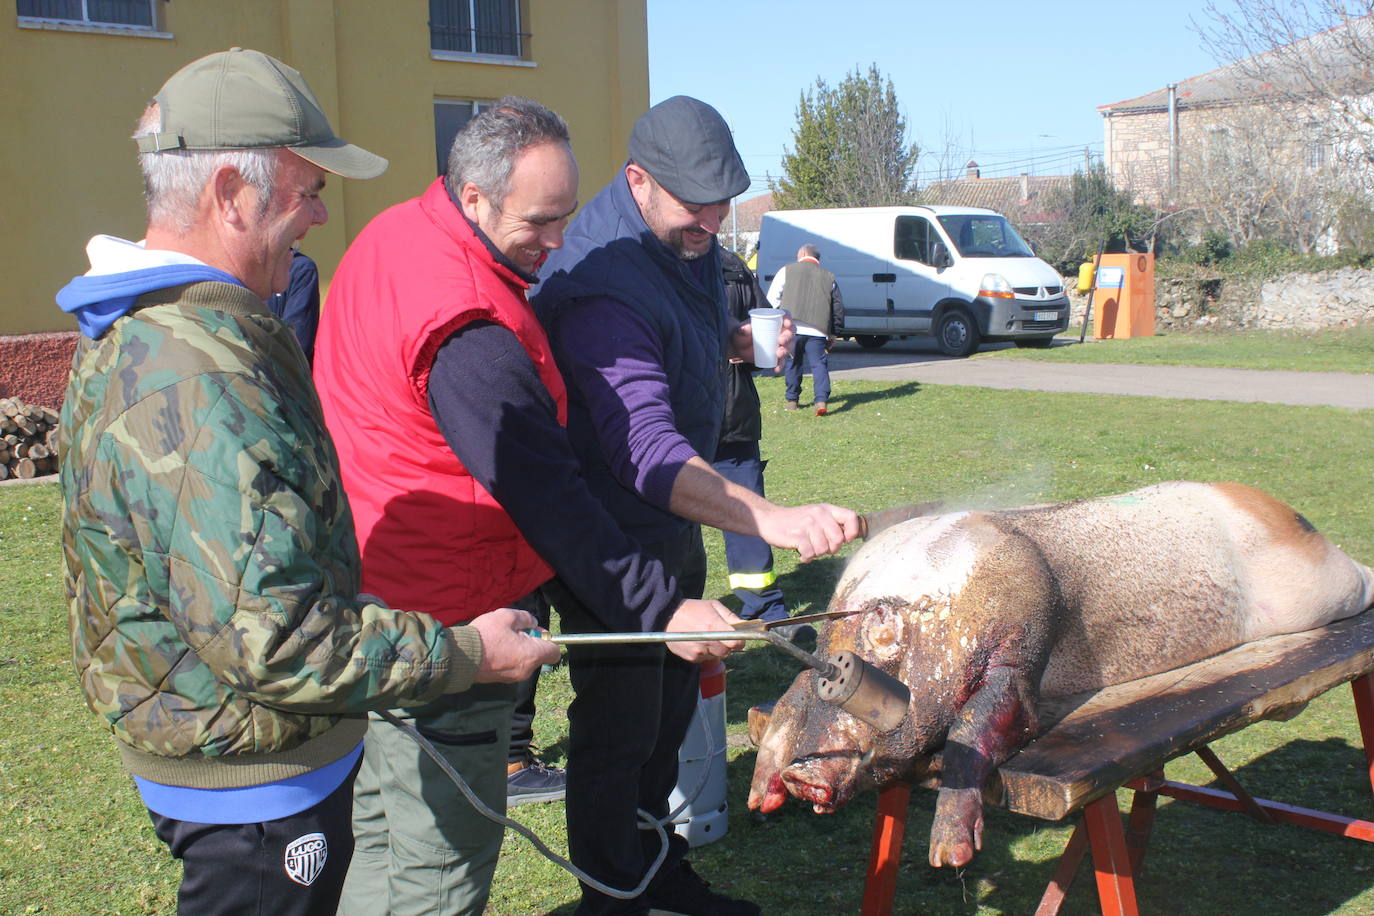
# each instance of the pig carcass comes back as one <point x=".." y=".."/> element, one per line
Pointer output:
<point x="982" y="612"/>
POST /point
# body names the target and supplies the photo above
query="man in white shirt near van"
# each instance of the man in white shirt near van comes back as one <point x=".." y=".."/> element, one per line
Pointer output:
<point x="809" y="293"/>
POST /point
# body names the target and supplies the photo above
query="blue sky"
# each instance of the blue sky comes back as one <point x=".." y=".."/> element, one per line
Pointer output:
<point x="1014" y="85"/>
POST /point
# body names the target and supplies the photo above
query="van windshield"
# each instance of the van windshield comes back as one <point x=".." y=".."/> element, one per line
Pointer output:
<point x="984" y="235"/>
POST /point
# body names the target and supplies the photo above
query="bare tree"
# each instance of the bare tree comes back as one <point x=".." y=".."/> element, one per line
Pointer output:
<point x="1095" y="213"/>
<point x="948" y="160"/>
<point x="1266" y="173"/>
<point x="1311" y="58"/>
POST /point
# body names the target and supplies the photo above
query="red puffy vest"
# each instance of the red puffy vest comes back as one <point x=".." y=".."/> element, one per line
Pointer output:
<point x="432" y="538"/>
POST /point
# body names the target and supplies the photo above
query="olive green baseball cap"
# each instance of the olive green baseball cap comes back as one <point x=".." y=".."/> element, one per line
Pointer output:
<point x="243" y="99"/>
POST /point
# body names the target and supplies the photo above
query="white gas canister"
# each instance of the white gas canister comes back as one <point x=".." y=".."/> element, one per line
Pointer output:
<point x="701" y="760"/>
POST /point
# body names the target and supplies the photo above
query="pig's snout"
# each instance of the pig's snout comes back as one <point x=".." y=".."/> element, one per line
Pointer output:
<point x="771" y="797"/>
<point x="827" y="781"/>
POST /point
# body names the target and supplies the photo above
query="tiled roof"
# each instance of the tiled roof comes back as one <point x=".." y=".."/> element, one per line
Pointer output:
<point x="1004" y="195"/>
<point x="1329" y="52"/>
<point x="749" y="213"/>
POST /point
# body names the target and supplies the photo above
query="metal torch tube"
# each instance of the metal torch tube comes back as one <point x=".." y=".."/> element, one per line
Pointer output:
<point x="825" y="668"/>
<point x="593" y="639"/>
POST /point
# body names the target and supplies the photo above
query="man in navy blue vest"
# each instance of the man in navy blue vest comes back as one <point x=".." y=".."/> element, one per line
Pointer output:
<point x="737" y="458"/>
<point x="634" y="307"/>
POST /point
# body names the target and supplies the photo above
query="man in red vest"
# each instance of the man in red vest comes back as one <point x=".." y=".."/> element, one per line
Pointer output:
<point x="448" y="412"/>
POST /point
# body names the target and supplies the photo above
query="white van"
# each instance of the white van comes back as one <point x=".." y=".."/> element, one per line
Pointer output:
<point x="960" y="274"/>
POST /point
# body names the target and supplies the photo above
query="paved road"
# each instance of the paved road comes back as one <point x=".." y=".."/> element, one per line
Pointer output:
<point x="917" y="359"/>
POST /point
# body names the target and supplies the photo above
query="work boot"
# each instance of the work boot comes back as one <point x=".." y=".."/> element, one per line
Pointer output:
<point x="684" y="892"/>
<point x="533" y="780"/>
<point x="791" y="405"/>
<point x="820" y="408"/>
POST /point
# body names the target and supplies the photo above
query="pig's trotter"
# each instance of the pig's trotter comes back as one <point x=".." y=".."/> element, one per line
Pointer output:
<point x="958" y="828"/>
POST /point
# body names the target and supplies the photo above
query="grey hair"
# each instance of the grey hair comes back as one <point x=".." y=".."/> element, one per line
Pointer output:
<point x="808" y="251"/>
<point x="485" y="150"/>
<point x="174" y="179"/>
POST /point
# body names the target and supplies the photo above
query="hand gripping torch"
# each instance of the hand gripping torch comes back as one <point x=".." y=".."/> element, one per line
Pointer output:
<point x="863" y="690"/>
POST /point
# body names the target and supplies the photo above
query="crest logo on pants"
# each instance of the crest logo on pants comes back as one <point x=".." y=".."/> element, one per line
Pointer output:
<point x="305" y="858"/>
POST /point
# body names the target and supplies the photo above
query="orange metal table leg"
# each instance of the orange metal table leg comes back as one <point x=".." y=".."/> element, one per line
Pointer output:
<point x="880" y="887"/>
<point x="1053" y="898"/>
<point x="1111" y="860"/>
<point x="1142" y="819"/>
<point x="1363" y="687"/>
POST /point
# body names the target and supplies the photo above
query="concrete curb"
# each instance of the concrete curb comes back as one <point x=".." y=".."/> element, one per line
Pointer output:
<point x="911" y="360"/>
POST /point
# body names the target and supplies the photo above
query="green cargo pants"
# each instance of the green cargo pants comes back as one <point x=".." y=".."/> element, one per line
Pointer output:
<point x="420" y="847"/>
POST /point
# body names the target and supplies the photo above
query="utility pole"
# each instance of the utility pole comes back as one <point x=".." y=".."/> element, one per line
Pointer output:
<point x="1173" y="141"/>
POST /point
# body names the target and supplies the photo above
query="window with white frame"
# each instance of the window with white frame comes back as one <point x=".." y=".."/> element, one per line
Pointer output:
<point x="476" y="27"/>
<point x="450" y="116"/>
<point x="136" y="14"/>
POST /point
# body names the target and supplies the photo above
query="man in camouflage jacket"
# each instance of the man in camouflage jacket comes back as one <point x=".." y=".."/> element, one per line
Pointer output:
<point x="210" y="558"/>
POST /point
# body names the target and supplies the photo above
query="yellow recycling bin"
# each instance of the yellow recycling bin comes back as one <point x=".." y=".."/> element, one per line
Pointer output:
<point x="1124" y="300"/>
<point x="1085" y="276"/>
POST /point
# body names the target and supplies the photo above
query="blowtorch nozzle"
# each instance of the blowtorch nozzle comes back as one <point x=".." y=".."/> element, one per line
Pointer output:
<point x="864" y="691"/>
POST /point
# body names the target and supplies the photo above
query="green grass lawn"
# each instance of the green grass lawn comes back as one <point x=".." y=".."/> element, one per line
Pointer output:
<point x="77" y="841"/>
<point x="1348" y="350"/>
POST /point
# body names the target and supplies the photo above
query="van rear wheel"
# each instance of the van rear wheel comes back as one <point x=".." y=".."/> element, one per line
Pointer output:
<point x="957" y="333"/>
<point x="870" y="341"/>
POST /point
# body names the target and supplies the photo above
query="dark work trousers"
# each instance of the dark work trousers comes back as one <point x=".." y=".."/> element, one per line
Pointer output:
<point x="748" y="556"/>
<point x="812" y="349"/>
<point x="629" y="715"/>
<point x="522" y="720"/>
<point x="293" y="866"/>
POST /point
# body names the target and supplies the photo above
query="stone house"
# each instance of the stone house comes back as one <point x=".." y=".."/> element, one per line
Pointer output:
<point x="1298" y="97"/>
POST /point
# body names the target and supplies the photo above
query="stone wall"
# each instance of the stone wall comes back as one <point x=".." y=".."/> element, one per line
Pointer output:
<point x="1332" y="299"/>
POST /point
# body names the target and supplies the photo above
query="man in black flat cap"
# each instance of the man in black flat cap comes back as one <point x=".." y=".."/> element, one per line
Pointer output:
<point x="635" y="310"/>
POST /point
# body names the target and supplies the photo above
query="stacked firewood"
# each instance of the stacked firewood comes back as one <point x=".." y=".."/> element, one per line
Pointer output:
<point x="28" y="439"/>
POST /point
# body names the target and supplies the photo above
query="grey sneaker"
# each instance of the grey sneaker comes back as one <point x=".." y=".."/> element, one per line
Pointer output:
<point x="533" y="780"/>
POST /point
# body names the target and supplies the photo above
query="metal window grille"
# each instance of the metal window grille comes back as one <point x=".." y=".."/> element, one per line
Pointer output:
<point x="476" y="26"/>
<point x="1317" y="155"/>
<point x="138" y="13"/>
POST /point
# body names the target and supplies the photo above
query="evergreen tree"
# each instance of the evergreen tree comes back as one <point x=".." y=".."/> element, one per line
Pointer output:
<point x="850" y="147"/>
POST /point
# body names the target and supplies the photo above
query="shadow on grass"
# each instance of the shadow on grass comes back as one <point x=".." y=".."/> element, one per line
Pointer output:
<point x="842" y="403"/>
<point x="1279" y="869"/>
<point x="1200" y="860"/>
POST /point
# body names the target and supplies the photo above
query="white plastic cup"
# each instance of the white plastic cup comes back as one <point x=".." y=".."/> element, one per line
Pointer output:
<point x="767" y="324"/>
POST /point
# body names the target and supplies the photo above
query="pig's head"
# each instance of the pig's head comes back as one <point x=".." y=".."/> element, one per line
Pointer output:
<point x="914" y="619"/>
<point x="819" y="753"/>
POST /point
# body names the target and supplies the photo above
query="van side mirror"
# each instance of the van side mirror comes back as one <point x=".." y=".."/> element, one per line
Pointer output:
<point x="939" y="256"/>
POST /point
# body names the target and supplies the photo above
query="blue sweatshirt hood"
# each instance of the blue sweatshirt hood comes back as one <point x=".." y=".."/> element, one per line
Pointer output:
<point x="99" y="300"/>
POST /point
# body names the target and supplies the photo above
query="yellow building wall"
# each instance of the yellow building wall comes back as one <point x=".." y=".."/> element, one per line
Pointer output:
<point x="69" y="100"/>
